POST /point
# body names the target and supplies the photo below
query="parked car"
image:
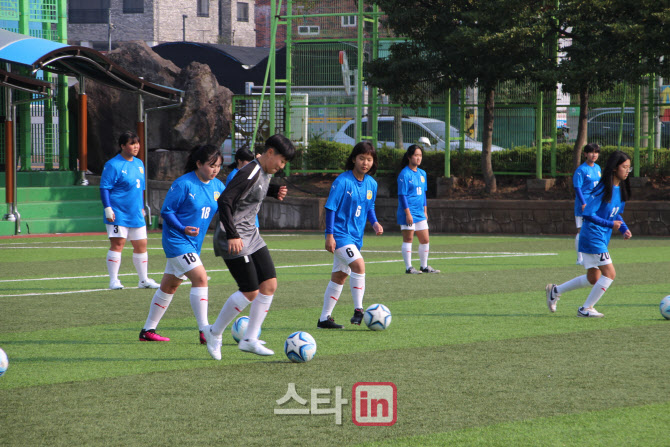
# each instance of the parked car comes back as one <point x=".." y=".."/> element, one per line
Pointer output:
<point x="604" y="124"/>
<point x="414" y="130"/>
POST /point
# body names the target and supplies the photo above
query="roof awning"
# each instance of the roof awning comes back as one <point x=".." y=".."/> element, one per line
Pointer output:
<point x="41" y="54"/>
<point x="23" y="83"/>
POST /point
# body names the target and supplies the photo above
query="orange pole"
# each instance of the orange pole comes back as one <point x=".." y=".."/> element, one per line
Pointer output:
<point x="143" y="144"/>
<point x="10" y="166"/>
<point x="83" y="133"/>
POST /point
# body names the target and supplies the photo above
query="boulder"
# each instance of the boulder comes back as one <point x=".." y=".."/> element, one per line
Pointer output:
<point x="203" y="118"/>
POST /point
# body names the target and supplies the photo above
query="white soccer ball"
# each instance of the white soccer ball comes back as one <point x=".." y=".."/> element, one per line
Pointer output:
<point x="4" y="362"/>
<point x="239" y="328"/>
<point x="300" y="347"/>
<point x="377" y="317"/>
<point x="665" y="307"/>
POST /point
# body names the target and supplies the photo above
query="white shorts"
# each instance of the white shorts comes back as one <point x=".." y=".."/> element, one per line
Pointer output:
<point x="181" y="264"/>
<point x="578" y="221"/>
<point x="133" y="234"/>
<point x="416" y="226"/>
<point x="592" y="261"/>
<point x="345" y="256"/>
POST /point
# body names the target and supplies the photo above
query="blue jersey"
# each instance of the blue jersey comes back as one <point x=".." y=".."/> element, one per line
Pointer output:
<point x="125" y="181"/>
<point x="594" y="237"/>
<point x="585" y="180"/>
<point x="229" y="178"/>
<point x="351" y="199"/>
<point x="412" y="185"/>
<point x="194" y="203"/>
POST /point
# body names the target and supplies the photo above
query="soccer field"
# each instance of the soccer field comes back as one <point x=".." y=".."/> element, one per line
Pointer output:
<point x="473" y="352"/>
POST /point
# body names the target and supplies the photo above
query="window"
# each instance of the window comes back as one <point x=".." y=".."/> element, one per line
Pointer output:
<point x="203" y="8"/>
<point x="133" y="6"/>
<point x="242" y="12"/>
<point x="349" y="20"/>
<point x="88" y="11"/>
<point x="308" y="30"/>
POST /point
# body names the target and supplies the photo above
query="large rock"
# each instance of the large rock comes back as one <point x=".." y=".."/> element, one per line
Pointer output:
<point x="203" y="118"/>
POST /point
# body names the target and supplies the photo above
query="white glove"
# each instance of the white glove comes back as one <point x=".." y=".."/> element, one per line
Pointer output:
<point x="109" y="214"/>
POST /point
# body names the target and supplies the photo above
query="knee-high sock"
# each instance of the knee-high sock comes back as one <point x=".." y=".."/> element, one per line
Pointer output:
<point x="598" y="290"/>
<point x="357" y="286"/>
<point x="159" y="305"/>
<point x="423" y="254"/>
<point x="141" y="262"/>
<point x="407" y="254"/>
<point x="235" y="304"/>
<point x="199" y="301"/>
<point x="330" y="298"/>
<point x="579" y="255"/>
<point x="113" y="264"/>
<point x="257" y="312"/>
<point x="574" y="283"/>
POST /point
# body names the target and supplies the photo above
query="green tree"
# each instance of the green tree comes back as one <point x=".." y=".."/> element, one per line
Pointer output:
<point x="457" y="43"/>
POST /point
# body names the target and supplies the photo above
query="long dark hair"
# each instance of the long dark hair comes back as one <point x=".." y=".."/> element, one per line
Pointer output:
<point x="243" y="154"/>
<point x="409" y="154"/>
<point x="127" y="137"/>
<point x="204" y="154"/>
<point x="364" y="147"/>
<point x="605" y="185"/>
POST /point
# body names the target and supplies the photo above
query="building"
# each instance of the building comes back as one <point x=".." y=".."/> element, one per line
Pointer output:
<point x="102" y="23"/>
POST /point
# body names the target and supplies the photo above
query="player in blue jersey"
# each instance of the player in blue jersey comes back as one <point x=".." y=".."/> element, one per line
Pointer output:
<point x="187" y="211"/>
<point x="412" y="212"/>
<point x="122" y="193"/>
<point x="602" y="214"/>
<point x="585" y="178"/>
<point x="242" y="158"/>
<point x="350" y="204"/>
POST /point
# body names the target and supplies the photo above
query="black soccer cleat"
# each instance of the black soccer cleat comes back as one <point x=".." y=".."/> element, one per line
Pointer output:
<point x="358" y="316"/>
<point x="328" y="323"/>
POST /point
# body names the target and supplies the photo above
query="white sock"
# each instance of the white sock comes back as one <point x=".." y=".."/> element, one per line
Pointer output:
<point x="598" y="290"/>
<point x="113" y="264"/>
<point x="141" y="261"/>
<point x="257" y="312"/>
<point x="159" y="305"/>
<point x="423" y="255"/>
<point x="574" y="283"/>
<point x="330" y="298"/>
<point x="579" y="254"/>
<point x="199" y="302"/>
<point x="235" y="304"/>
<point x="407" y="254"/>
<point x="357" y="286"/>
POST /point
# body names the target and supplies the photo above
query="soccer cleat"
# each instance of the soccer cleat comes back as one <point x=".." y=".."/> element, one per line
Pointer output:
<point x="429" y="269"/>
<point x="328" y="323"/>
<point x="580" y="262"/>
<point x="412" y="271"/>
<point x="115" y="285"/>
<point x="148" y="284"/>
<point x="151" y="335"/>
<point x="255" y="347"/>
<point x="203" y="340"/>
<point x="358" y="316"/>
<point x="552" y="296"/>
<point x="213" y="343"/>
<point x="589" y="312"/>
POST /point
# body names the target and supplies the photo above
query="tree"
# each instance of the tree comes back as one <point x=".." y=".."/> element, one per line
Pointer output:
<point x="458" y="43"/>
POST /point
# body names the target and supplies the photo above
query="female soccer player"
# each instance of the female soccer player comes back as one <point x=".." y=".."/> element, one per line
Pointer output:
<point x="413" y="210"/>
<point x="244" y="251"/>
<point x="602" y="214"/>
<point x="122" y="194"/>
<point x="585" y="178"/>
<point x="351" y="201"/>
<point x="187" y="211"/>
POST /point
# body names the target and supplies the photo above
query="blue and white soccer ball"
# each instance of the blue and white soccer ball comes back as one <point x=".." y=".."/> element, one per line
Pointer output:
<point x="300" y="347"/>
<point x="665" y="307"/>
<point x="4" y="362"/>
<point x="377" y="317"/>
<point x="239" y="328"/>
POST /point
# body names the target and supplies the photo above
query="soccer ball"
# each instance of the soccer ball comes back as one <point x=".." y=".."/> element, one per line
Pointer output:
<point x="665" y="307"/>
<point x="377" y="317"/>
<point x="4" y="362"/>
<point x="300" y="347"/>
<point x="239" y="328"/>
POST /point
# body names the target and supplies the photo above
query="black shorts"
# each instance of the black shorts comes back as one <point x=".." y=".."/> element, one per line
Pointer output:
<point x="250" y="271"/>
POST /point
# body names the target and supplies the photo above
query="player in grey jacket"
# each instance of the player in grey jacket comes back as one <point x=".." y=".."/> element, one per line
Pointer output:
<point x="242" y="248"/>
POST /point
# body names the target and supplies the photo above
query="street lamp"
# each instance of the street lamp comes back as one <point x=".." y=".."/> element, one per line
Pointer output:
<point x="183" y="26"/>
